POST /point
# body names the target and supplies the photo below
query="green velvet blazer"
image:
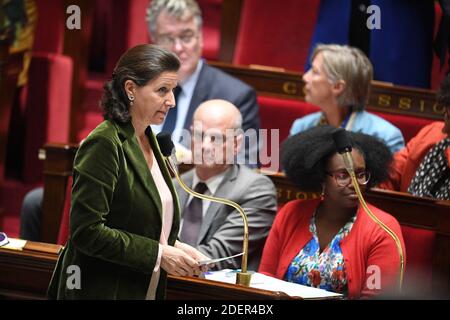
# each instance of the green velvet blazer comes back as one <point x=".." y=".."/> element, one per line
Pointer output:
<point x="115" y="219"/>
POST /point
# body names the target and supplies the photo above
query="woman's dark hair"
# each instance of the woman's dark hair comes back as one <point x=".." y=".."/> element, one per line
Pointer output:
<point x="305" y="156"/>
<point x="139" y="64"/>
<point x="443" y="95"/>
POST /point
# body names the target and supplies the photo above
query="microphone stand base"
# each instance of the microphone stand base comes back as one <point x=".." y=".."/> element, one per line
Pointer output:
<point x="243" y="278"/>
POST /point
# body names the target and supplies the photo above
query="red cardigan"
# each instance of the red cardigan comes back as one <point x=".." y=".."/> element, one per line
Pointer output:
<point x="407" y="160"/>
<point x="366" y="245"/>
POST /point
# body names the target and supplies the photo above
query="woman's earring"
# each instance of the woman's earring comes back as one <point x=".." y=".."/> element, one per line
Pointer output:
<point x="131" y="98"/>
<point x="322" y="195"/>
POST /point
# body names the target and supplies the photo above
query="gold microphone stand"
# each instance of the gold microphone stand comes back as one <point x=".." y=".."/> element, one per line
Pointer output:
<point x="243" y="277"/>
<point x="348" y="160"/>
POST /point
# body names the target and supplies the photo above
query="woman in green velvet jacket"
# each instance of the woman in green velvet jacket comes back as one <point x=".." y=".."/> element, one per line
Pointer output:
<point x="124" y="216"/>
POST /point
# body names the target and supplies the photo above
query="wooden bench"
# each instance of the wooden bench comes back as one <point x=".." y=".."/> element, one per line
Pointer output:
<point x="279" y="83"/>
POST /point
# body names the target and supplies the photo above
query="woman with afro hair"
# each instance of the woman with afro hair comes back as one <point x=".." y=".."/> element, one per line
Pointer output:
<point x="331" y="243"/>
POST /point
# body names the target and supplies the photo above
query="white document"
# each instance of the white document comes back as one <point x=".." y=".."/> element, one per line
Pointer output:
<point x="261" y="281"/>
<point x="204" y="262"/>
<point x="15" y="244"/>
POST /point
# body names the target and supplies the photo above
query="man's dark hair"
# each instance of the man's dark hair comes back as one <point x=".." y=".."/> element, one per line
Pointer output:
<point x="140" y="64"/>
<point x="305" y="156"/>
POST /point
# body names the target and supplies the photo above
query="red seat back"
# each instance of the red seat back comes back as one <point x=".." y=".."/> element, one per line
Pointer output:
<point x="47" y="108"/>
<point x="420" y="248"/>
<point x="211" y="15"/>
<point x="408" y="125"/>
<point x="51" y="25"/>
<point x="275" y="34"/>
<point x="278" y="114"/>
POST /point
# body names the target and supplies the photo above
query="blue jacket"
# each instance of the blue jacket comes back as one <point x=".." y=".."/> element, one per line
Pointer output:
<point x="364" y="122"/>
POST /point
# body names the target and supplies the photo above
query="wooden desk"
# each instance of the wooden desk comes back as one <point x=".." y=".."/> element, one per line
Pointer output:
<point x="26" y="275"/>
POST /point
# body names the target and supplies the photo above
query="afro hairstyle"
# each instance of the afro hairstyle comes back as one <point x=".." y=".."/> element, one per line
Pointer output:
<point x="305" y="155"/>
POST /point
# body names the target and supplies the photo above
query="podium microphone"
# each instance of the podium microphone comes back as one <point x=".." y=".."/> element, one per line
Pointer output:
<point x="344" y="148"/>
<point x="168" y="151"/>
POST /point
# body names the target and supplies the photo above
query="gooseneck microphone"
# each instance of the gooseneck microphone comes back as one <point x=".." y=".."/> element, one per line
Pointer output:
<point x="168" y="151"/>
<point x="167" y="147"/>
<point x="344" y="148"/>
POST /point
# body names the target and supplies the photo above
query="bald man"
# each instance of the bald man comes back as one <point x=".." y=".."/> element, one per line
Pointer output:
<point x="213" y="228"/>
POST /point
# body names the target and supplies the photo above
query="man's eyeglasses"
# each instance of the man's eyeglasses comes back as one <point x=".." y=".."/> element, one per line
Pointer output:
<point x="343" y="179"/>
<point x="169" y="41"/>
<point x="3" y="239"/>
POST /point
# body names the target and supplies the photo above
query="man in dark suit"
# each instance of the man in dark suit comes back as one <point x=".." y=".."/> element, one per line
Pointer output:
<point x="177" y="26"/>
<point x="216" y="229"/>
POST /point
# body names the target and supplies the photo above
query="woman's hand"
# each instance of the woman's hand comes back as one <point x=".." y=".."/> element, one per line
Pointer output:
<point x="194" y="253"/>
<point x="178" y="263"/>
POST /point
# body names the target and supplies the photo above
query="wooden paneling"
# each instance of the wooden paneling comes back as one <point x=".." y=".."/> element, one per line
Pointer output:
<point x="279" y="83"/>
<point x="26" y="274"/>
<point x="58" y="166"/>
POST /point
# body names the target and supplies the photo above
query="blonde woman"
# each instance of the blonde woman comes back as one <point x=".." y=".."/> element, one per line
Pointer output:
<point x="339" y="83"/>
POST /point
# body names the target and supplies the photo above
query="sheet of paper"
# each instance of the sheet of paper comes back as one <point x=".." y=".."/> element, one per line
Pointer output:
<point x="15" y="244"/>
<point x="203" y="262"/>
<point x="261" y="281"/>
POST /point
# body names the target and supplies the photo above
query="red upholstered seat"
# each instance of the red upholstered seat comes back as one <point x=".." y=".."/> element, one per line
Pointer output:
<point x="420" y="248"/>
<point x="51" y="24"/>
<point x="47" y="108"/>
<point x="211" y="14"/>
<point x="126" y="27"/>
<point x="409" y="126"/>
<point x="276" y="34"/>
<point x="278" y="114"/>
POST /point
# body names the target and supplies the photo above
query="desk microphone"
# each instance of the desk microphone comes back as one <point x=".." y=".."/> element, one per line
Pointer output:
<point x="344" y="148"/>
<point x="168" y="151"/>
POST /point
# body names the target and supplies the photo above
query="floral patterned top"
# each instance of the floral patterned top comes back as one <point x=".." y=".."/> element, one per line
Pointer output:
<point x="324" y="270"/>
